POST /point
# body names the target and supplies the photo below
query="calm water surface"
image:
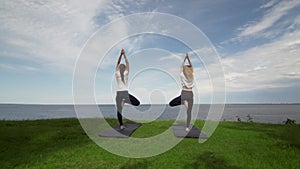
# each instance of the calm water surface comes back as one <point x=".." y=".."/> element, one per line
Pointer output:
<point x="265" y="113"/>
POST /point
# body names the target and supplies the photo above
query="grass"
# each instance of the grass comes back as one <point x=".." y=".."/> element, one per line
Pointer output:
<point x="62" y="143"/>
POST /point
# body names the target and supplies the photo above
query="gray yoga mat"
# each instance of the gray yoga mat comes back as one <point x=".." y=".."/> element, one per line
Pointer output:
<point x="117" y="132"/>
<point x="179" y="131"/>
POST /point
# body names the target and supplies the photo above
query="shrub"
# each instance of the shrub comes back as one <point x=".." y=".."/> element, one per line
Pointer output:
<point x="250" y="119"/>
<point x="289" y="121"/>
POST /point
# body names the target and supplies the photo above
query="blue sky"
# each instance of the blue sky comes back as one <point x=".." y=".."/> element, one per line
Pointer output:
<point x="258" y="43"/>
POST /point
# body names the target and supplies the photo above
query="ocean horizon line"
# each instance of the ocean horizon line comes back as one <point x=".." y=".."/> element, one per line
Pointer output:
<point x="147" y="104"/>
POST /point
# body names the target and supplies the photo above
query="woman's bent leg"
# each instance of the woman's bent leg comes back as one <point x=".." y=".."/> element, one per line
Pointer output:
<point x="133" y="100"/>
<point x="175" y="102"/>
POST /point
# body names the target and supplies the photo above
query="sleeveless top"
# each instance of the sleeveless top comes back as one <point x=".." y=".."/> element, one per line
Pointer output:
<point x="185" y="82"/>
<point x="121" y="86"/>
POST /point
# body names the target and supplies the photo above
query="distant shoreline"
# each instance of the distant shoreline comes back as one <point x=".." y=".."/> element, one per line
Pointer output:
<point x="55" y="104"/>
<point x="261" y="113"/>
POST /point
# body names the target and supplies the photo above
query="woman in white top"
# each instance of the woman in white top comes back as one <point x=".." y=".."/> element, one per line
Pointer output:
<point x="186" y="97"/>
<point x="123" y="96"/>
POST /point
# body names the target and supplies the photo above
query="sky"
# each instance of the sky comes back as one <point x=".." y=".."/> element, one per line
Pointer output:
<point x="258" y="43"/>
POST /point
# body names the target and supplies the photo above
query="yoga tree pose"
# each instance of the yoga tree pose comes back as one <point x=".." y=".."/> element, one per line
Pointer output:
<point x="123" y="96"/>
<point x="186" y="97"/>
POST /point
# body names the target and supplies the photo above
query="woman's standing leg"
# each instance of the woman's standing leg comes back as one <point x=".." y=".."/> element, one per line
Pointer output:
<point x="120" y="104"/>
<point x="187" y="100"/>
<point x="189" y="105"/>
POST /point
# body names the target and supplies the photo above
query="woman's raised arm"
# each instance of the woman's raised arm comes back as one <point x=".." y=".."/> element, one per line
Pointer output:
<point x="119" y="59"/>
<point x="190" y="63"/>
<point x="126" y="62"/>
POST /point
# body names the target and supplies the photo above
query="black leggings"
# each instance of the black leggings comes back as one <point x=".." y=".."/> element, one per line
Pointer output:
<point x="127" y="98"/>
<point x="185" y="96"/>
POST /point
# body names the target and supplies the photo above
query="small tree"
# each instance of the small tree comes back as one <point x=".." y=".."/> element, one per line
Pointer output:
<point x="289" y="121"/>
<point x="238" y="119"/>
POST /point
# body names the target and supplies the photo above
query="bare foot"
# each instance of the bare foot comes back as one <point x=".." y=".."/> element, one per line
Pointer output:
<point x="187" y="129"/>
<point x="122" y="127"/>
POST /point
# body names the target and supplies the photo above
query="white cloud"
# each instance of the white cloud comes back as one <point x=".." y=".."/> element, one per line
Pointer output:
<point x="171" y="57"/>
<point x="269" y="4"/>
<point x="53" y="32"/>
<point x="272" y="65"/>
<point x="269" y="19"/>
<point x="49" y="31"/>
<point x="9" y="67"/>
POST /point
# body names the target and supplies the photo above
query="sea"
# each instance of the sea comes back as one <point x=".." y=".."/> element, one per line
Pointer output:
<point x="261" y="113"/>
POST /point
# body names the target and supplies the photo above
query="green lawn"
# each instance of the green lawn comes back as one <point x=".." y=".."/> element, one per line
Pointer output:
<point x="62" y="143"/>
